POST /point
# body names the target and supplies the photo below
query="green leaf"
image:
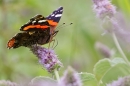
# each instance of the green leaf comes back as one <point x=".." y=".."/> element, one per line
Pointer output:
<point x="117" y="61"/>
<point x="104" y="65"/>
<point x="119" y="70"/>
<point x="88" y="79"/>
<point x="43" y="81"/>
<point x="107" y="70"/>
<point x="101" y="67"/>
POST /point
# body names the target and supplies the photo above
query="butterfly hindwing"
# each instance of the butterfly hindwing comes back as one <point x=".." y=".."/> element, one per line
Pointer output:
<point x="27" y="39"/>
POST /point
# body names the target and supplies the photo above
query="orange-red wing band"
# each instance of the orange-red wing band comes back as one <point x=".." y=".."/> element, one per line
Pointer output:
<point x="52" y="23"/>
<point x="35" y="26"/>
<point x="11" y="43"/>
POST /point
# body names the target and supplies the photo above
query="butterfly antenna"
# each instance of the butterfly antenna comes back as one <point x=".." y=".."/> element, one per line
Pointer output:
<point x="62" y="26"/>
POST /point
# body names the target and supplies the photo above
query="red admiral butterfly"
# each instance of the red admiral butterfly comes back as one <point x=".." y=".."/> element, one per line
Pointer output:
<point x="39" y="30"/>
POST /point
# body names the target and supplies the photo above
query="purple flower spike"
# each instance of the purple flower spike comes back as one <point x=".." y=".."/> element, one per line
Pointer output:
<point x="8" y="83"/>
<point x="122" y="81"/>
<point x="70" y="78"/>
<point x="103" y="49"/>
<point x="47" y="58"/>
<point x="103" y="8"/>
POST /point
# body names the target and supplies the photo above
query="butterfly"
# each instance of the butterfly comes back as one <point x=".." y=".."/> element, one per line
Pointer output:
<point x="38" y="30"/>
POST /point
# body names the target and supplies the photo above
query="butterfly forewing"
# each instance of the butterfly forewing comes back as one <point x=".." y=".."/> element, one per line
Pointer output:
<point x="38" y="22"/>
<point x="54" y="18"/>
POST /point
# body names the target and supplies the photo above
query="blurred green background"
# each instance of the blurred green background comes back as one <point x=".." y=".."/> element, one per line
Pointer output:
<point x="75" y="42"/>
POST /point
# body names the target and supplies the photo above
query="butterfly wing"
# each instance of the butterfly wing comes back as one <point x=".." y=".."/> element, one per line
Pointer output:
<point x="38" y="22"/>
<point x="55" y="17"/>
<point x="18" y="40"/>
<point x="27" y="39"/>
<point x="41" y="27"/>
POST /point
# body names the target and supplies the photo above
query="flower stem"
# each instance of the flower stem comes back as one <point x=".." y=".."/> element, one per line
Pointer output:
<point x="119" y="48"/>
<point x="57" y="75"/>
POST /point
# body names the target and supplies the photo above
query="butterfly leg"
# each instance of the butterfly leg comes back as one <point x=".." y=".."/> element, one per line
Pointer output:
<point x="51" y="37"/>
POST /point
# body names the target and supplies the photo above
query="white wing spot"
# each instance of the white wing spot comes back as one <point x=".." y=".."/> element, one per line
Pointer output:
<point x="52" y="15"/>
<point x="33" y="22"/>
<point x="58" y="15"/>
<point x="61" y="10"/>
<point x="40" y="21"/>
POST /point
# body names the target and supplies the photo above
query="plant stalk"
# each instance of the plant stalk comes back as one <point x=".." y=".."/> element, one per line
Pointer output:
<point x="119" y="48"/>
<point x="57" y="75"/>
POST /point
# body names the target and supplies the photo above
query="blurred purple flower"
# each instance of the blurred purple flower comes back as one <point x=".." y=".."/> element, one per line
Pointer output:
<point x="104" y="49"/>
<point x="103" y="8"/>
<point x="125" y="81"/>
<point x="47" y="58"/>
<point x="70" y="78"/>
<point x="43" y="81"/>
<point x="7" y="83"/>
<point x="111" y="22"/>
